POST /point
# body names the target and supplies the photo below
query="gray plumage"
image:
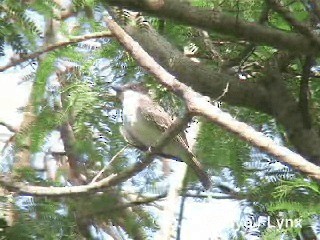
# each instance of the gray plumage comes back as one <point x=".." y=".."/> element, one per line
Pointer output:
<point x="144" y="121"/>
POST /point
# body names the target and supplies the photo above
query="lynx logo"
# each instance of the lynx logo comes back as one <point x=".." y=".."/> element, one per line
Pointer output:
<point x="251" y="223"/>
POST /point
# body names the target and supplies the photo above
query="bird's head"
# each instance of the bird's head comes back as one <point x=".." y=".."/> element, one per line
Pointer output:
<point x="133" y="89"/>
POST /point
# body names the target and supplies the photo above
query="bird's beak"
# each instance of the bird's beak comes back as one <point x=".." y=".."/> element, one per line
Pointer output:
<point x="117" y="88"/>
<point x="119" y="91"/>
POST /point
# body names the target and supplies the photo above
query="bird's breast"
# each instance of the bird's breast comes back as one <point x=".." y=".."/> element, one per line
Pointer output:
<point x="135" y="124"/>
<point x="130" y="111"/>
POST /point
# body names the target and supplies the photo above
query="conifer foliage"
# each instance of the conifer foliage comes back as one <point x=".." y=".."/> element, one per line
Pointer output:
<point x="69" y="134"/>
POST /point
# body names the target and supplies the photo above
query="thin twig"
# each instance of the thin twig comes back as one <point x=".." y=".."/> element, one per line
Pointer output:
<point x="109" y="163"/>
<point x="9" y="127"/>
<point x="181" y="212"/>
<point x="55" y="46"/>
<point x="225" y="90"/>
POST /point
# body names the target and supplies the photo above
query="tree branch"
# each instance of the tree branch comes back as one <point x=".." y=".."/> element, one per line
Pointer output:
<point x="9" y="127"/>
<point x="269" y="94"/>
<point x="300" y="27"/>
<point x="53" y="47"/>
<point x="181" y="212"/>
<point x="214" y="20"/>
<point x="304" y="92"/>
<point x="201" y="77"/>
<point x="107" y="182"/>
<point x="199" y="105"/>
<point x="109" y="163"/>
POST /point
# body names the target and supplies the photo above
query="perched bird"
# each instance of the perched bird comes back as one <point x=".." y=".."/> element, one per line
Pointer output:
<point x="144" y="121"/>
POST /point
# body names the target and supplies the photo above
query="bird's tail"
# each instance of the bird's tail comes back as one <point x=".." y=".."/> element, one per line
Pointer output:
<point x="196" y="166"/>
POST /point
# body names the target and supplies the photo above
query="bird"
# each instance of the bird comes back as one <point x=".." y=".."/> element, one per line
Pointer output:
<point x="144" y="120"/>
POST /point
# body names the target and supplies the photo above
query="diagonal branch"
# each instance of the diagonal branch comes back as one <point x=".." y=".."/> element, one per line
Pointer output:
<point x="9" y="127"/>
<point x="203" y="78"/>
<point x="199" y="105"/>
<point x="269" y="94"/>
<point x="109" y="163"/>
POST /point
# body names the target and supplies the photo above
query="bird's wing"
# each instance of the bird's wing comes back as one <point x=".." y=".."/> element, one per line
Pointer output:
<point x="154" y="113"/>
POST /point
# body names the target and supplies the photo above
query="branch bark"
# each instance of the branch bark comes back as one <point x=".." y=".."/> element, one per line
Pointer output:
<point x="304" y="92"/>
<point x="202" y="78"/>
<point x="269" y="94"/>
<point x="214" y="20"/>
<point x="199" y="105"/>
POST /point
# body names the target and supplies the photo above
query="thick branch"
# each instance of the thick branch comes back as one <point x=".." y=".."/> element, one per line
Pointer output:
<point x="200" y="105"/>
<point x="214" y="20"/>
<point x="285" y="109"/>
<point x="272" y="98"/>
<point x="304" y="92"/>
<point x="201" y="77"/>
